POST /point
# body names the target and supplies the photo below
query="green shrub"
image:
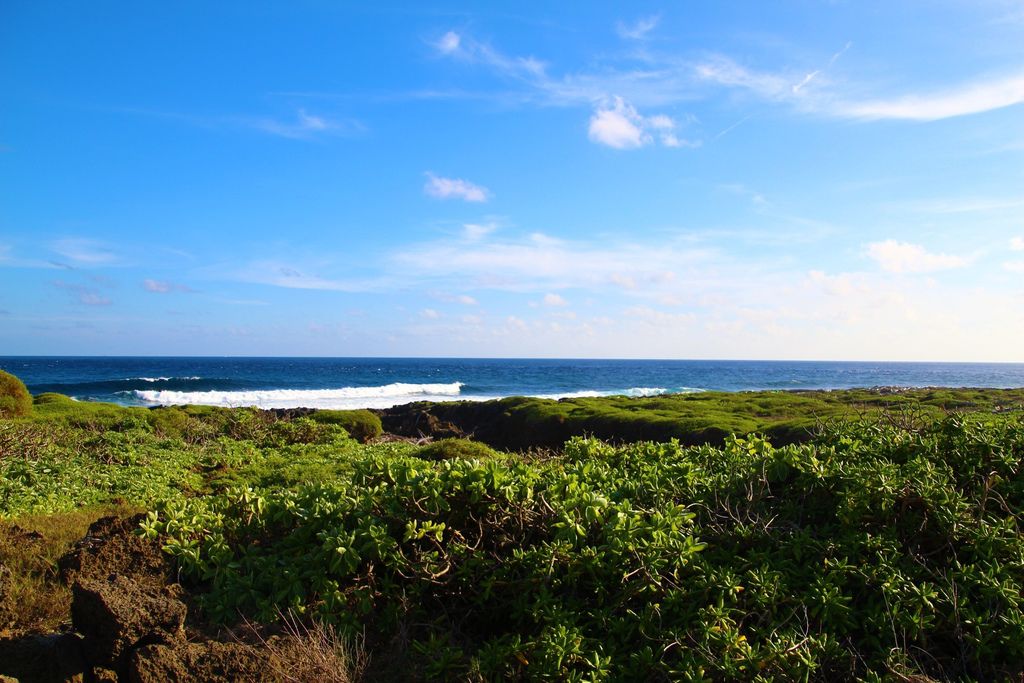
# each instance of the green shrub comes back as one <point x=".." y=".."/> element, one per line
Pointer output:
<point x="306" y="431"/>
<point x="362" y="425"/>
<point x="447" y="449"/>
<point x="169" y="422"/>
<point x="51" y="398"/>
<point x="15" y="401"/>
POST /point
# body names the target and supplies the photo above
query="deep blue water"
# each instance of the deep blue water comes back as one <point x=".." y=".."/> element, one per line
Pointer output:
<point x="380" y="382"/>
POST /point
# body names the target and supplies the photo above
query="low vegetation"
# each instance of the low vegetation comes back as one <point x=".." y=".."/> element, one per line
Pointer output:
<point x="784" y="417"/>
<point x="886" y="545"/>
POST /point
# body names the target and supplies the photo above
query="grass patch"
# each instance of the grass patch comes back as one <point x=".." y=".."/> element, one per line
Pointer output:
<point x="32" y="597"/>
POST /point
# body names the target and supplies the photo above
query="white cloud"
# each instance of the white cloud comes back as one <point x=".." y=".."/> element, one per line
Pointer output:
<point x="84" y="252"/>
<point x="430" y="314"/>
<point x="1017" y="243"/>
<point x="163" y="287"/>
<point x="618" y="124"/>
<point x="967" y="98"/>
<point x="1014" y="266"/>
<point x="466" y="300"/>
<point x="842" y="285"/>
<point x="554" y="300"/>
<point x="903" y="257"/>
<point x="93" y="299"/>
<point x="624" y="281"/>
<point x="454" y="188"/>
<point x="448" y="43"/>
<point x="639" y="29"/>
<point x="477" y="231"/>
<point x="156" y="286"/>
<point x="661" y="122"/>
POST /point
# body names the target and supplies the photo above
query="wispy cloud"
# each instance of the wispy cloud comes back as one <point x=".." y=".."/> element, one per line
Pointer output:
<point x="474" y="232"/>
<point x="724" y="71"/>
<point x="540" y="263"/>
<point x="8" y="260"/>
<point x="301" y="125"/>
<point x="903" y="257"/>
<point x="83" y="294"/>
<point x="949" y="205"/>
<point x="287" y="276"/>
<point x="455" y="188"/>
<point x="639" y="29"/>
<point x="304" y="126"/>
<point x="668" y="79"/>
<point x="164" y="287"/>
<point x="84" y="252"/>
<point x="818" y="72"/>
<point x="464" y="48"/>
<point x="973" y="97"/>
<point x="1017" y="243"/>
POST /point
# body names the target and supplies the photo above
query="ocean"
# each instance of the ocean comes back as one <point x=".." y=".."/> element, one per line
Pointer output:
<point x="384" y="382"/>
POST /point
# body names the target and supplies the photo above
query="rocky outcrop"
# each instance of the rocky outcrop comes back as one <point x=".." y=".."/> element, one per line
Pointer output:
<point x="112" y="547"/>
<point x="44" y="659"/>
<point x="130" y="621"/>
<point x="116" y="616"/>
<point x="210" y="661"/>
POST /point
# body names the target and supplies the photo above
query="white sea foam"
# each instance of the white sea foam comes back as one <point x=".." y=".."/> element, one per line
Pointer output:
<point x="342" y="398"/>
<point x="635" y="392"/>
<point x="159" y="379"/>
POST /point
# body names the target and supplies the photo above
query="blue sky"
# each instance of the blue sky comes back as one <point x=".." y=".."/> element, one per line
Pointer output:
<point x="793" y="180"/>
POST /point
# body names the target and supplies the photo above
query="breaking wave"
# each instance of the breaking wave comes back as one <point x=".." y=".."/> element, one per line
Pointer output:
<point x="343" y="398"/>
<point x="635" y="392"/>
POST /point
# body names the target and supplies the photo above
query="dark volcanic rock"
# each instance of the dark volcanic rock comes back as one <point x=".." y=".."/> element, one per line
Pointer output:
<point x="43" y="659"/>
<point x="112" y="547"/>
<point x="211" y="662"/>
<point x="418" y="420"/>
<point x="115" y="616"/>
